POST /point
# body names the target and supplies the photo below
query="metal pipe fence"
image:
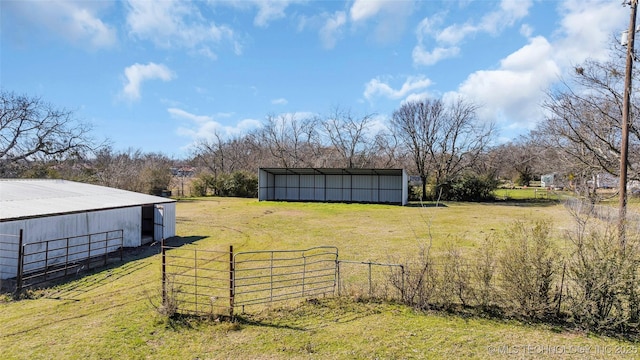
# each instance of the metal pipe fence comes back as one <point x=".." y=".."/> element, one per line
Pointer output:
<point x="197" y="280"/>
<point x="210" y="283"/>
<point x="262" y="277"/>
<point x="48" y="260"/>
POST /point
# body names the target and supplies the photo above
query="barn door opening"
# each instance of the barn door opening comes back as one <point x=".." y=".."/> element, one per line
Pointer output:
<point x="147" y="224"/>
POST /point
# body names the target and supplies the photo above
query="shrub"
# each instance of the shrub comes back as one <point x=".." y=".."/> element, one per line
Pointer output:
<point x="469" y="187"/>
<point x="528" y="265"/>
<point x="238" y="184"/>
<point x="603" y="291"/>
<point x="484" y="273"/>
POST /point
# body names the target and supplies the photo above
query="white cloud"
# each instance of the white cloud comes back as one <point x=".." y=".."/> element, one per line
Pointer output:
<point x="447" y="40"/>
<point x="586" y="29"/>
<point x="77" y="22"/>
<point x="205" y="127"/>
<point x="267" y="10"/>
<point x="416" y="97"/>
<point x="389" y="16"/>
<point x="365" y="9"/>
<point x="526" y="30"/>
<point x="377" y="87"/>
<point x="171" y="23"/>
<point x="332" y="29"/>
<point x="423" y="57"/>
<point x="138" y="73"/>
<point x="513" y="93"/>
<point x="280" y="101"/>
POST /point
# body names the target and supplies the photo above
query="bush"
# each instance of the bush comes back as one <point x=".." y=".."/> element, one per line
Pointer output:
<point x="201" y="185"/>
<point x="469" y="187"/>
<point x="603" y="291"/>
<point x="528" y="266"/>
<point x="239" y="184"/>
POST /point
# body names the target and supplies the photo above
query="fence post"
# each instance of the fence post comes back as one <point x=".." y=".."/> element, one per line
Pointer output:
<point x="271" y="278"/>
<point x="164" y="272"/>
<point x="564" y="268"/>
<point x="338" y="271"/>
<point x="304" y="271"/>
<point x="402" y="289"/>
<point x="20" y="264"/>
<point x="231" y="280"/>
<point x="195" y="277"/>
<point x="370" y="283"/>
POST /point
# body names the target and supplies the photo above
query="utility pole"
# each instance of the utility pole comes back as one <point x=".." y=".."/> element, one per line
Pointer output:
<point x="624" y="145"/>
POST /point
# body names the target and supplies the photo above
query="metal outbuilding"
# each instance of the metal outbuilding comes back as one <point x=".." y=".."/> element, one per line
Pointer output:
<point x="387" y="186"/>
<point x="58" y="216"/>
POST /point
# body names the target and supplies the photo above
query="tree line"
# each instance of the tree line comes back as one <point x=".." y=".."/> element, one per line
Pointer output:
<point x="443" y="142"/>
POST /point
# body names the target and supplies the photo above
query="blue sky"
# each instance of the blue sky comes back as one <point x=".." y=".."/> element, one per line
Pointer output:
<point x="159" y="75"/>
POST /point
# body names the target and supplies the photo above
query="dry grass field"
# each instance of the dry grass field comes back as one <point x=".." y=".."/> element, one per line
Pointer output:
<point x="109" y="314"/>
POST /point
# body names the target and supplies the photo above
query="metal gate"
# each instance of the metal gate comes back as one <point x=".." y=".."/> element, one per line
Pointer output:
<point x="48" y="260"/>
<point x="267" y="276"/>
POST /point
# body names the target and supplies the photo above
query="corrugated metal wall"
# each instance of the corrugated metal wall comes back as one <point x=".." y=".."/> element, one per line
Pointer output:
<point x="343" y="187"/>
<point x="62" y="226"/>
<point x="164" y="215"/>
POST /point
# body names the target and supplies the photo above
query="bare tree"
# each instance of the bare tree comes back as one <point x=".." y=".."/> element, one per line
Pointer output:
<point x="584" y="120"/>
<point x="211" y="154"/>
<point x="349" y="136"/>
<point x="290" y="139"/>
<point x="133" y="170"/>
<point x="31" y="129"/>
<point x="522" y="159"/>
<point x="443" y="139"/>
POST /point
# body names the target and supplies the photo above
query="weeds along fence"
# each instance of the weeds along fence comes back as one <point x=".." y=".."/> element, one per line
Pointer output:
<point x="211" y="283"/>
<point x="370" y="279"/>
<point x="604" y="213"/>
<point x="29" y="264"/>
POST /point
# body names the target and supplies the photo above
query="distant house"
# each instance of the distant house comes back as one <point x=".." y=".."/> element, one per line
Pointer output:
<point x="607" y="181"/>
<point x="552" y="181"/>
<point x="64" y="221"/>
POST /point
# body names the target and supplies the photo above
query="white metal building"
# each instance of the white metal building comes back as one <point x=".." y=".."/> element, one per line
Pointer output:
<point x="389" y="186"/>
<point x="46" y="210"/>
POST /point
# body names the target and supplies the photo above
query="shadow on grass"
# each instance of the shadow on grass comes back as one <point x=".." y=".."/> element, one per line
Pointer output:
<point x="525" y="202"/>
<point x="507" y="202"/>
<point x="425" y="205"/>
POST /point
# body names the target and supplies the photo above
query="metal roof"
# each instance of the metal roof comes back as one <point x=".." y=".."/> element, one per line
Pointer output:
<point x="331" y="171"/>
<point x="21" y="199"/>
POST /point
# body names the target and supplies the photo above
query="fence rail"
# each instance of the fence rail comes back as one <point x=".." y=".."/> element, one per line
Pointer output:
<point x="197" y="279"/>
<point x="53" y="259"/>
<point x="209" y="282"/>
<point x="275" y="275"/>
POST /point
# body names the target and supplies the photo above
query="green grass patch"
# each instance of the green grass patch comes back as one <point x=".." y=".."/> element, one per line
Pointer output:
<point x="110" y="313"/>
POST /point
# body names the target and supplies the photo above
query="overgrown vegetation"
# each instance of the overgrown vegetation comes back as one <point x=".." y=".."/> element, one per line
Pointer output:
<point x="236" y="184"/>
<point x="590" y="284"/>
